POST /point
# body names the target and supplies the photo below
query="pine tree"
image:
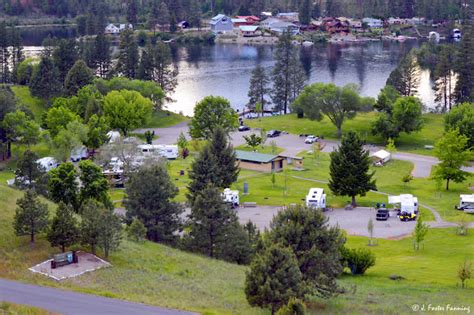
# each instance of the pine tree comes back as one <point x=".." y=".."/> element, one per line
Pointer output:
<point x="4" y="53"/>
<point x="64" y="56"/>
<point x="419" y="234"/>
<point x="110" y="234"/>
<point x="444" y="78"/>
<point x="204" y="172"/>
<point x="349" y="169"/>
<point x="195" y="14"/>
<point x="45" y="82"/>
<point x="224" y="154"/>
<point x="90" y="227"/>
<point x="145" y="69"/>
<point x="274" y="278"/>
<point x="29" y="173"/>
<point x="132" y="12"/>
<point x="150" y="193"/>
<point x="163" y="17"/>
<point x="31" y="216"/>
<point x="101" y="55"/>
<point x="405" y="78"/>
<point x="127" y="63"/>
<point x="63" y="231"/>
<point x="464" y="91"/>
<point x="305" y="12"/>
<point x="78" y="76"/>
<point x="258" y="88"/>
<point x="163" y="71"/>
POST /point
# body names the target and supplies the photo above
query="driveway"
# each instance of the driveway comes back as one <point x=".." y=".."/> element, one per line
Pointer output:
<point x="293" y="144"/>
<point x="71" y="303"/>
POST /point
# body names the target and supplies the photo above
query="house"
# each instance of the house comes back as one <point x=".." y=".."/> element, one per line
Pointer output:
<point x="337" y="26"/>
<point x="183" y="25"/>
<point x="278" y="26"/>
<point x="355" y="24"/>
<point x="221" y="24"/>
<point x="381" y="157"/>
<point x="373" y="23"/>
<point x="111" y="29"/>
<point x="249" y="30"/>
<point x="266" y="14"/>
<point x="395" y="21"/>
<point x="293" y="160"/>
<point x="260" y="162"/>
<point x="239" y="22"/>
<point x="249" y="19"/>
<point x="416" y="21"/>
<point x="123" y="27"/>
<point x="292" y="17"/>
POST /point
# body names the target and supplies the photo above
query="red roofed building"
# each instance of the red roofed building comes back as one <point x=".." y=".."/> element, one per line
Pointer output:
<point x="250" y="19"/>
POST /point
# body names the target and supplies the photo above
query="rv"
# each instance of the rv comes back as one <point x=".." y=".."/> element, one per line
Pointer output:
<point x="406" y="204"/>
<point x="79" y="154"/>
<point x="48" y="163"/>
<point x="316" y="198"/>
<point x="231" y="197"/>
<point x="456" y="33"/>
<point x="466" y="203"/>
<point x="167" y="151"/>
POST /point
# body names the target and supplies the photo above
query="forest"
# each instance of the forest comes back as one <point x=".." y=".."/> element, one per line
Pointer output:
<point x="140" y="10"/>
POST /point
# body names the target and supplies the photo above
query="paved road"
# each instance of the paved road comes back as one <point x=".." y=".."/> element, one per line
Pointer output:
<point x="293" y="144"/>
<point x="71" y="303"/>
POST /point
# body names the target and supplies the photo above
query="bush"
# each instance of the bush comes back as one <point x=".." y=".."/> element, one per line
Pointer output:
<point x="358" y="260"/>
<point x="136" y="231"/>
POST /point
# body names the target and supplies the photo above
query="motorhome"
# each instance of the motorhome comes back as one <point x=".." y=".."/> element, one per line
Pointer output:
<point x="167" y="151"/>
<point x="316" y="198"/>
<point x="406" y="204"/>
<point x="466" y="203"/>
<point x="48" y="163"/>
<point x="231" y="197"/>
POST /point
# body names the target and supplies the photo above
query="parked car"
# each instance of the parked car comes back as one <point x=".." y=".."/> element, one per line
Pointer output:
<point x="244" y="128"/>
<point x="311" y="139"/>
<point x="382" y="214"/>
<point x="273" y="133"/>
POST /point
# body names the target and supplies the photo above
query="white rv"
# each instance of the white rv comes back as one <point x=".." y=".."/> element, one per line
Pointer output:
<point x="167" y="151"/>
<point x="456" y="33"/>
<point x="79" y="154"/>
<point x="407" y="204"/>
<point x="466" y="203"/>
<point x="231" y="197"/>
<point x="48" y="163"/>
<point x="316" y="198"/>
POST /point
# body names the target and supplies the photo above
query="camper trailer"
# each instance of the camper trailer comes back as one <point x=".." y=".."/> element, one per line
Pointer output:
<point x="48" y="163"/>
<point x="316" y="198"/>
<point x="231" y="197"/>
<point x="169" y="152"/>
<point x="466" y="203"/>
<point x="407" y="206"/>
<point x="456" y="33"/>
<point x="79" y="154"/>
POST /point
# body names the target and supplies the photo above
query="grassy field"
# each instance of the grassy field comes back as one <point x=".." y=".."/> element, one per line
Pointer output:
<point x="432" y="130"/>
<point x="267" y="149"/>
<point x="15" y="309"/>
<point x="158" y="275"/>
<point x="164" y="118"/>
<point x="35" y="105"/>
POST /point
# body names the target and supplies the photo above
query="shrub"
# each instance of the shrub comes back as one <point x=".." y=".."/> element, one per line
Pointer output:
<point x="358" y="260"/>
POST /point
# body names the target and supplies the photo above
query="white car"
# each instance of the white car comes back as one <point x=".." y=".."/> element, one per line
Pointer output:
<point x="311" y="139"/>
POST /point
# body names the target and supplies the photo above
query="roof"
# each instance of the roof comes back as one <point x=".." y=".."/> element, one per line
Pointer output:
<point x="248" y="28"/>
<point x="402" y="199"/>
<point x="217" y="18"/>
<point x="467" y="198"/>
<point x="250" y="17"/>
<point x="239" y="20"/>
<point x="382" y="154"/>
<point x="315" y="193"/>
<point x="254" y="156"/>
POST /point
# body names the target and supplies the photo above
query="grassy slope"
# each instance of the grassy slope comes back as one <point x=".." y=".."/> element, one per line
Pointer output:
<point x="432" y="130"/>
<point x="159" y="275"/>
<point x="163" y="119"/>
<point x="35" y="105"/>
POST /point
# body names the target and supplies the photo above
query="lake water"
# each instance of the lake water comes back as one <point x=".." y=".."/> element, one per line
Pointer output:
<point x="225" y="69"/>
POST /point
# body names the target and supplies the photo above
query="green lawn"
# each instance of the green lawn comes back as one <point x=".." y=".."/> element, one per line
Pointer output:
<point x="159" y="275"/>
<point x="16" y="309"/>
<point x="162" y="119"/>
<point x="267" y="149"/>
<point x="432" y="130"/>
<point x="35" y="105"/>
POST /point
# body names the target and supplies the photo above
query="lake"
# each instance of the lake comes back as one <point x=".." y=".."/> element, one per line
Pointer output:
<point x="225" y="69"/>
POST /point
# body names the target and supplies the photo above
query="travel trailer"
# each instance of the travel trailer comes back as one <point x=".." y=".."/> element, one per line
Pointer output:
<point x="406" y="204"/>
<point x="48" y="163"/>
<point x="170" y="152"/>
<point x="316" y="198"/>
<point x="466" y="203"/>
<point x="456" y="33"/>
<point x="79" y="154"/>
<point x="231" y="197"/>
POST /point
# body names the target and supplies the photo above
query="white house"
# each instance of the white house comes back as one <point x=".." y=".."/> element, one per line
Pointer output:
<point x="316" y="198"/>
<point x="249" y="30"/>
<point x="123" y="27"/>
<point x="221" y="24"/>
<point x="381" y="156"/>
<point x="111" y="29"/>
<point x="373" y="23"/>
<point x="278" y="26"/>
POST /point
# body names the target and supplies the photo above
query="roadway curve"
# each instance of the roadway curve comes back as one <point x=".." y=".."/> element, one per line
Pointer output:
<point x="71" y="303"/>
<point x="294" y="144"/>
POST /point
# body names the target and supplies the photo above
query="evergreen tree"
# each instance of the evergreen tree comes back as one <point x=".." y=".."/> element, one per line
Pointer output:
<point x="29" y="173"/>
<point x="101" y="55"/>
<point x="453" y="153"/>
<point x="78" y="76"/>
<point x="224" y="154"/>
<point x="461" y="117"/>
<point x="110" y="234"/>
<point x="128" y="59"/>
<point x="4" y="53"/>
<point x="464" y="91"/>
<point x="64" y="56"/>
<point x="274" y="278"/>
<point x="90" y="226"/>
<point x="349" y="169"/>
<point x="163" y="72"/>
<point x="444" y="73"/>
<point x="132" y="12"/>
<point x="405" y="78"/>
<point x="212" y="223"/>
<point x="204" y="172"/>
<point x="195" y="14"/>
<point x="31" y="216"/>
<point x="258" y="88"/>
<point x="63" y="231"/>
<point x="305" y="12"/>
<point x="145" y="69"/>
<point x="150" y="192"/>
<point x="163" y="17"/>
<point x="45" y="81"/>
<point x="315" y="244"/>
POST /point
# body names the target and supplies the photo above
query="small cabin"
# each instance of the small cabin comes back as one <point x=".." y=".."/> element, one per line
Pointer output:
<point x="249" y="30"/>
<point x="260" y="162"/>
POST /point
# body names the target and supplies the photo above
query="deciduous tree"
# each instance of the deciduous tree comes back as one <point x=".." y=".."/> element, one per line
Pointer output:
<point x="64" y="230"/>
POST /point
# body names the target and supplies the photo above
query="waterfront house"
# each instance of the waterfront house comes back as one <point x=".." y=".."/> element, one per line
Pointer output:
<point x="249" y="19"/>
<point x="278" y="26"/>
<point x="221" y="24"/>
<point x="111" y="29"/>
<point x="292" y="17"/>
<point x="239" y="22"/>
<point x="337" y="26"/>
<point x="249" y="30"/>
<point x="356" y="24"/>
<point x="373" y="23"/>
<point x="260" y="162"/>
